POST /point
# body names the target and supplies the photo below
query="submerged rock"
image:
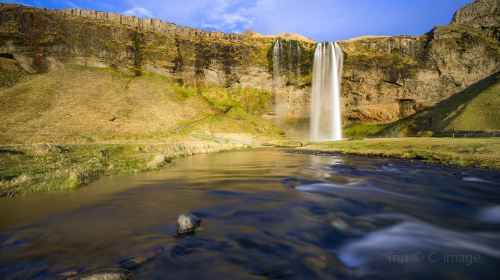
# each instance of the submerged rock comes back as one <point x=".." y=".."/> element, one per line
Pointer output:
<point x="292" y="182"/>
<point x="68" y="274"/>
<point x="107" y="274"/>
<point x="297" y="182"/>
<point x="187" y="223"/>
<point x="137" y="260"/>
<point x="315" y="263"/>
<point x="178" y="251"/>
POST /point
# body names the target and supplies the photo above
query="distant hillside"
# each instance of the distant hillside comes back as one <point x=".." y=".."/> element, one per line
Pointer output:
<point x="477" y="108"/>
<point x="83" y="104"/>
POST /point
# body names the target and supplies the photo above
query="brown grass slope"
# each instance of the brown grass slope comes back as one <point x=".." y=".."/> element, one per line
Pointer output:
<point x="80" y="104"/>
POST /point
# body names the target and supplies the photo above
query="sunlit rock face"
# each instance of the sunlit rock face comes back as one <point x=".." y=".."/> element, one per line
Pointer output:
<point x="104" y="40"/>
<point x="481" y="13"/>
<point x="383" y="75"/>
<point x="385" y="78"/>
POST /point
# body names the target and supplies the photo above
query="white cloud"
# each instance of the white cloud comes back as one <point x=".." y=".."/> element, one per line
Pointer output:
<point x="138" y="12"/>
<point x="220" y="15"/>
<point x="232" y="16"/>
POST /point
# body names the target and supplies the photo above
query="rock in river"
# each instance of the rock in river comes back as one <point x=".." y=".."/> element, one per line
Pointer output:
<point x="187" y="223"/>
<point x="107" y="274"/>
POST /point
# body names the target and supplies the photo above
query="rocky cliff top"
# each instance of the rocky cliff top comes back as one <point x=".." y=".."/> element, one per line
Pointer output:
<point x="154" y="24"/>
<point x="479" y="13"/>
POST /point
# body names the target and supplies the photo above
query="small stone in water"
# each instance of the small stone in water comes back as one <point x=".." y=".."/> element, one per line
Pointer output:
<point x="339" y="224"/>
<point x="107" y="274"/>
<point x="187" y="223"/>
<point x="68" y="274"/>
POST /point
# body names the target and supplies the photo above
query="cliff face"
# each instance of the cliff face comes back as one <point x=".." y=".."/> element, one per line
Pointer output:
<point x="385" y="78"/>
<point x="391" y="77"/>
<point x="481" y="13"/>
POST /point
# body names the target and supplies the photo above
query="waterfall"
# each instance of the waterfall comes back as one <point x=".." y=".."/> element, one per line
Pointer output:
<point x="290" y="58"/>
<point x="277" y="53"/>
<point x="287" y="60"/>
<point x="279" y="102"/>
<point x="299" y="63"/>
<point x="327" y="76"/>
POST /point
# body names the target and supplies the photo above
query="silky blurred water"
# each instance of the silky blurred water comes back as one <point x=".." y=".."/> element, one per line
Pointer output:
<point x="266" y="214"/>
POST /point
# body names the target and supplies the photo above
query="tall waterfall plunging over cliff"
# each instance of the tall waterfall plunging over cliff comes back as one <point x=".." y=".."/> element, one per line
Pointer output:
<point x="327" y="76"/>
<point x="277" y="52"/>
<point x="287" y="76"/>
<point x="279" y="104"/>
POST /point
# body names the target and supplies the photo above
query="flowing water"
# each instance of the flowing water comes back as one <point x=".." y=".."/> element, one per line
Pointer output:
<point x="265" y="214"/>
<point x="280" y="106"/>
<point x="325" y="109"/>
<point x="277" y="54"/>
<point x="298" y="71"/>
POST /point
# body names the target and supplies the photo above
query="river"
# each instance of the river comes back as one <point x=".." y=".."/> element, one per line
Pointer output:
<point x="265" y="214"/>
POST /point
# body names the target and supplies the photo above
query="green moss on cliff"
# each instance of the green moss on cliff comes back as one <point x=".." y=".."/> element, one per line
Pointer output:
<point x="359" y="130"/>
<point x="464" y="37"/>
<point x="251" y="100"/>
<point x="396" y="66"/>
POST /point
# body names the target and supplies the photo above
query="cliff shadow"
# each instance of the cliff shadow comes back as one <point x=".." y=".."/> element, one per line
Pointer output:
<point x="442" y="114"/>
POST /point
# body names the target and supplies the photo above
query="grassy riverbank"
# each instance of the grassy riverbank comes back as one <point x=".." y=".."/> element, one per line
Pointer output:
<point x="95" y="122"/>
<point x="483" y="153"/>
<point x="52" y="167"/>
<point x="29" y="168"/>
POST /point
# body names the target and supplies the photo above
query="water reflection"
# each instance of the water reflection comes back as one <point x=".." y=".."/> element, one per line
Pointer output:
<point x="265" y="214"/>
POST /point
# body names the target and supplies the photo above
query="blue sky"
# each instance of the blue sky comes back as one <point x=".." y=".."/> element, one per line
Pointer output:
<point x="322" y="20"/>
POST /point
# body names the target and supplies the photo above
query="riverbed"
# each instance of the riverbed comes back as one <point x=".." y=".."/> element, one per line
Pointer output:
<point x="265" y="214"/>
